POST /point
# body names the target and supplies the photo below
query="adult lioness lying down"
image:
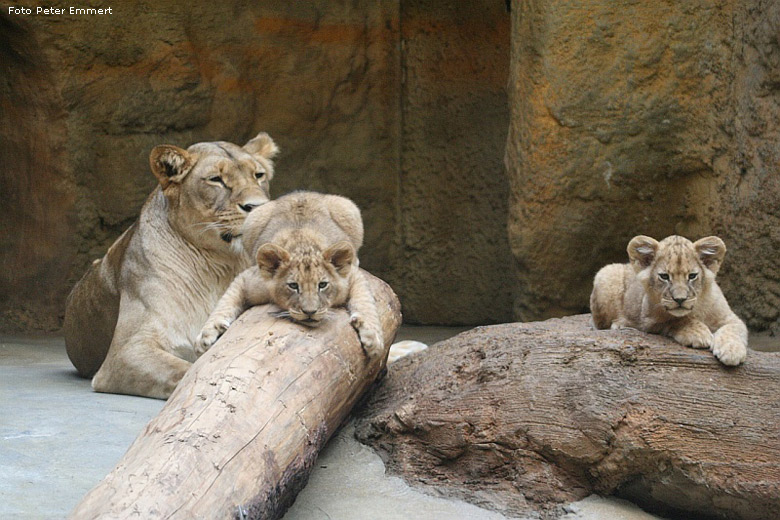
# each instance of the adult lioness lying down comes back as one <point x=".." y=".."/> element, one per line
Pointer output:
<point x="131" y="321"/>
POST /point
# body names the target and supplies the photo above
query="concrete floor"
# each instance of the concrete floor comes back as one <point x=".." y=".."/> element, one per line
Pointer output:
<point x="58" y="439"/>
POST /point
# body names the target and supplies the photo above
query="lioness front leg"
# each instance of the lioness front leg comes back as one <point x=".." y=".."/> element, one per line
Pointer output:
<point x="693" y="333"/>
<point x="247" y="289"/>
<point x="364" y="316"/>
<point x="140" y="367"/>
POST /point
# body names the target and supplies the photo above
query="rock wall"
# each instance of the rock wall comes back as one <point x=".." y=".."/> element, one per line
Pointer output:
<point x="624" y="118"/>
<point x="643" y="118"/>
<point x="335" y="83"/>
<point x="453" y="188"/>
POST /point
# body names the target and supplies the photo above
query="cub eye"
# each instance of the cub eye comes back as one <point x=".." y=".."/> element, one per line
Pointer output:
<point x="693" y="276"/>
<point x="323" y="285"/>
<point x="217" y="180"/>
<point x="293" y="286"/>
<point x="664" y="276"/>
<point x="259" y="175"/>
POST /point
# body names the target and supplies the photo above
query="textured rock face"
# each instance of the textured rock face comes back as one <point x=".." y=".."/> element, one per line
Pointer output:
<point x="453" y="186"/>
<point x="88" y="97"/>
<point x="36" y="218"/>
<point x="643" y="118"/>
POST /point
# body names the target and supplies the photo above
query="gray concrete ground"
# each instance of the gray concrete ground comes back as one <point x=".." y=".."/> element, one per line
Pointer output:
<point x="58" y="439"/>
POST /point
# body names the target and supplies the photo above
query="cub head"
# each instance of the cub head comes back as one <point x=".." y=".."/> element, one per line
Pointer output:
<point x="211" y="187"/>
<point x="308" y="281"/>
<point x="675" y="271"/>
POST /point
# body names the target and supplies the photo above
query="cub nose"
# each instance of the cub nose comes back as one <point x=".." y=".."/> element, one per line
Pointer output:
<point x="680" y="301"/>
<point x="247" y="207"/>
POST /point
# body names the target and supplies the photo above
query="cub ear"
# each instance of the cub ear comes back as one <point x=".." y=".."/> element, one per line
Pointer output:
<point x="270" y="257"/>
<point x="341" y="255"/>
<point x="711" y="251"/>
<point x="170" y="164"/>
<point x="262" y="146"/>
<point x="641" y="251"/>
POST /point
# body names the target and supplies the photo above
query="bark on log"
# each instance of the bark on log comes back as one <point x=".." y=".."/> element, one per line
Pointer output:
<point x="239" y="435"/>
<point x="525" y="417"/>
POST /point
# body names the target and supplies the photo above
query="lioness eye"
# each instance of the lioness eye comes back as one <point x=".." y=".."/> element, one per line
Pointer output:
<point x="218" y="180"/>
<point x="323" y="285"/>
<point x="664" y="276"/>
<point x="259" y="175"/>
<point x="293" y="286"/>
<point x="693" y="276"/>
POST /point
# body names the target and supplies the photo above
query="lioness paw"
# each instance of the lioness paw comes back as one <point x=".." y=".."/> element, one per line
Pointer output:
<point x="370" y="339"/>
<point x="209" y="335"/>
<point x="729" y="350"/>
<point x="695" y="334"/>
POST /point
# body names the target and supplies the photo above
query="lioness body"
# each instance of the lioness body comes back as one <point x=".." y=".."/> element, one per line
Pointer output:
<point x="669" y="288"/>
<point x="131" y="321"/>
<point x="306" y="247"/>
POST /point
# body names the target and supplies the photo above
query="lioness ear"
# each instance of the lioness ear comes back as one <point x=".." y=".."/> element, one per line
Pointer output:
<point x="641" y="251"/>
<point x="262" y="145"/>
<point x="711" y="251"/>
<point x="170" y="164"/>
<point x="270" y="257"/>
<point x="341" y="255"/>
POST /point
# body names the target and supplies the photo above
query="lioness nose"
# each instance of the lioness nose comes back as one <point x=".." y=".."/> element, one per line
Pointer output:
<point x="309" y="313"/>
<point x="680" y="301"/>
<point x="248" y="206"/>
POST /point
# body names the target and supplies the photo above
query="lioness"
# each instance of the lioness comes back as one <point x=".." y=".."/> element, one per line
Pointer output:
<point x="669" y="288"/>
<point x="306" y="249"/>
<point x="131" y="321"/>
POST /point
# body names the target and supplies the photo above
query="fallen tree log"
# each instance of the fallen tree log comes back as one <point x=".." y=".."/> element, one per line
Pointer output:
<point x="239" y="435"/>
<point x="526" y="417"/>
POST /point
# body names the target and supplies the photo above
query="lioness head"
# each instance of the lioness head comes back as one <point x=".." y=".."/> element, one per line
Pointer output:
<point x="307" y="281"/>
<point x="675" y="270"/>
<point x="211" y="187"/>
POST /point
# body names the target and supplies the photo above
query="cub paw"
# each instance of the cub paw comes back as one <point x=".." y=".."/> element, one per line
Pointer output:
<point x="729" y="350"/>
<point x="209" y="335"/>
<point x="370" y="339"/>
<point x="696" y="335"/>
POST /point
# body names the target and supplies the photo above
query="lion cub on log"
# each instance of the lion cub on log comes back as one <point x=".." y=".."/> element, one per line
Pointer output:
<point x="669" y="288"/>
<point x="306" y="246"/>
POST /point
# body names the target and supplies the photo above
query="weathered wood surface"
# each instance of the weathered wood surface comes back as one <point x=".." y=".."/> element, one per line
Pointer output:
<point x="526" y="417"/>
<point x="244" y="426"/>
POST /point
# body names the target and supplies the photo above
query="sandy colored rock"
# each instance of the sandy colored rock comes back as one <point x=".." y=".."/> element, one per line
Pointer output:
<point x="90" y="96"/>
<point x="642" y="118"/>
<point x="523" y="418"/>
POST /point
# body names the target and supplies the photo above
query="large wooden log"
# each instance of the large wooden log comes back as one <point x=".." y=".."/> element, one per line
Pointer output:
<point x="239" y="435"/>
<point x="527" y="417"/>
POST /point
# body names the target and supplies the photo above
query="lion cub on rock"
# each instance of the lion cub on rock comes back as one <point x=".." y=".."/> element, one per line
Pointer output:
<point x="669" y="288"/>
<point x="306" y="247"/>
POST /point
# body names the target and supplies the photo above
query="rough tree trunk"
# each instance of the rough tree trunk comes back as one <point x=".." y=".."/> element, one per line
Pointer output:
<point x="525" y="417"/>
<point x="238" y="437"/>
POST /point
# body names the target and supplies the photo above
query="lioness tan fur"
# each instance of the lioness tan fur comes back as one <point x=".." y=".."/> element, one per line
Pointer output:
<point x="306" y="247"/>
<point x="132" y="320"/>
<point x="669" y="288"/>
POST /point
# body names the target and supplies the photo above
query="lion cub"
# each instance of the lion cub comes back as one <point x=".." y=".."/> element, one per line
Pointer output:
<point x="669" y="288"/>
<point x="306" y="247"/>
